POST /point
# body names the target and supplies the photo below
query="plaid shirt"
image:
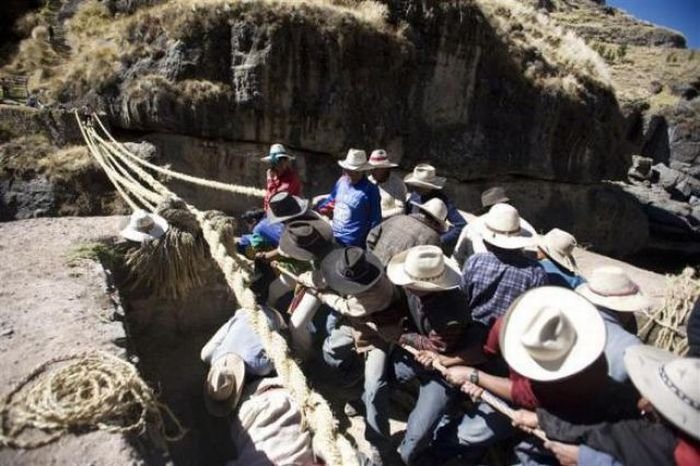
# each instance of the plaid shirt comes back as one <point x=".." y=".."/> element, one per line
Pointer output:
<point x="492" y="281"/>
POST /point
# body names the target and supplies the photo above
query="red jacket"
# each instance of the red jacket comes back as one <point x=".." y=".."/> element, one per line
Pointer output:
<point x="288" y="181"/>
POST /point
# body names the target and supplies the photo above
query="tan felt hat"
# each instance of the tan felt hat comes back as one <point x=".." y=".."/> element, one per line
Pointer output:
<point x="423" y="268"/>
<point x="612" y="288"/>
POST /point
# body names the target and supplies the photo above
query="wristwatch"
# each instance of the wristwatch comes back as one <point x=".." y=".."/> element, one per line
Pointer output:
<point x="474" y="376"/>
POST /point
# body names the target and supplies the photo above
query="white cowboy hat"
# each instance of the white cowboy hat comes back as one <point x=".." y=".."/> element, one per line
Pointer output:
<point x="423" y="175"/>
<point x="143" y="226"/>
<point x="559" y="246"/>
<point x="355" y="160"/>
<point x="670" y="383"/>
<point x="551" y="333"/>
<point x="502" y="227"/>
<point x="437" y="210"/>
<point x="612" y="288"/>
<point x="224" y="384"/>
<point x="277" y="151"/>
<point x="380" y="159"/>
<point x="423" y="268"/>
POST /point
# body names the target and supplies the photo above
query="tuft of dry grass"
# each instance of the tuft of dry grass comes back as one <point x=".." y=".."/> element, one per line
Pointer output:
<point x="557" y="58"/>
<point x="21" y="156"/>
<point x="66" y="163"/>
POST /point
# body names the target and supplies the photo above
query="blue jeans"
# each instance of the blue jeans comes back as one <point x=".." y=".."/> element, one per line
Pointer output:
<point x="376" y="398"/>
<point x="434" y="397"/>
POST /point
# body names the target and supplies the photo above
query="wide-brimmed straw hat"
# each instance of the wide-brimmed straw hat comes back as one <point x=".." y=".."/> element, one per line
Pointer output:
<point x="351" y="270"/>
<point x="551" y="333"/>
<point x="306" y="240"/>
<point x="380" y="159"/>
<point x="502" y="227"/>
<point x="493" y="196"/>
<point x="355" y="160"/>
<point x="670" y="383"/>
<point x="424" y="176"/>
<point x="612" y="288"/>
<point x="224" y="384"/>
<point x="436" y="209"/>
<point x="284" y="207"/>
<point x="143" y="226"/>
<point x="559" y="246"/>
<point x="277" y="151"/>
<point x="423" y="268"/>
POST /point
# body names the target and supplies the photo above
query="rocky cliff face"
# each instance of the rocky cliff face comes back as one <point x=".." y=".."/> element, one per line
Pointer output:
<point x="478" y="91"/>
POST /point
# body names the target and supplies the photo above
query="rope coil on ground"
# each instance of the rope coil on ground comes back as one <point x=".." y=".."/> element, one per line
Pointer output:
<point x="336" y="449"/>
<point x="92" y="389"/>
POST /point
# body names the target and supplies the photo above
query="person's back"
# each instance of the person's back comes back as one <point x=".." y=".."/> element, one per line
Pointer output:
<point x="400" y="233"/>
<point x="558" y="276"/>
<point x="494" y="279"/>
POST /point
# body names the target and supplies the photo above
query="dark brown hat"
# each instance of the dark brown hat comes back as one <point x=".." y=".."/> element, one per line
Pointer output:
<point x="284" y="207"/>
<point x="351" y="270"/>
<point x="307" y="240"/>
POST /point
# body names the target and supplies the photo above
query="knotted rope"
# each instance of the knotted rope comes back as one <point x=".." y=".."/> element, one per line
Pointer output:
<point x="335" y="449"/>
<point x="96" y="390"/>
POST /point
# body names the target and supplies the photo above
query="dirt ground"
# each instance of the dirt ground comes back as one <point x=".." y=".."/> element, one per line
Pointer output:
<point x="48" y="308"/>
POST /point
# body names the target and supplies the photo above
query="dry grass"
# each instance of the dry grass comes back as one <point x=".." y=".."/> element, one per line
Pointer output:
<point x="557" y="58"/>
<point x="28" y="156"/>
<point x="64" y="164"/>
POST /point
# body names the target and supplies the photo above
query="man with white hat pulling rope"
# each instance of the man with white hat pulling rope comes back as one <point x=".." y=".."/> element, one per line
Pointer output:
<point x="493" y="279"/>
<point x="617" y="298"/>
<point x="555" y="251"/>
<point x="426" y="185"/>
<point x="392" y="189"/>
<point x="354" y="203"/>
<point x="669" y="435"/>
<point x="281" y="176"/>
<point x="552" y="340"/>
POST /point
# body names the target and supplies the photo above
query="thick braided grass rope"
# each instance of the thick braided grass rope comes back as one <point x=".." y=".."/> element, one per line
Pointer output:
<point x="90" y="390"/>
<point x="335" y="449"/>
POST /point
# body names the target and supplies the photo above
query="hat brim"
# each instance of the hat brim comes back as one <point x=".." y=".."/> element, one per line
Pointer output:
<point x="450" y="278"/>
<point x="643" y="364"/>
<point x="268" y="159"/>
<point x="341" y="284"/>
<point x="439" y="182"/>
<point x="160" y="227"/>
<point x="443" y="223"/>
<point x="523" y="239"/>
<point x="372" y="166"/>
<point x="585" y="319"/>
<point x="222" y="408"/>
<point x="568" y="262"/>
<point x="631" y="303"/>
<point x="354" y="168"/>
<point x="303" y="203"/>
<point x="290" y="248"/>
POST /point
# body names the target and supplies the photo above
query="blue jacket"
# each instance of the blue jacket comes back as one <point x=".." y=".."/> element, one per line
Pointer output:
<point x="448" y="239"/>
<point x="357" y="209"/>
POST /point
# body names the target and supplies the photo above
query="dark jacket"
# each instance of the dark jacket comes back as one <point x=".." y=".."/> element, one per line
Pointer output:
<point x="400" y="233"/>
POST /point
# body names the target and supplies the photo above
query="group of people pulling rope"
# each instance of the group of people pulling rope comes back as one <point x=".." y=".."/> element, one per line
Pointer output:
<point x="385" y="282"/>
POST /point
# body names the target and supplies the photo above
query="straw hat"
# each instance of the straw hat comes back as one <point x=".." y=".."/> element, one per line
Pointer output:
<point x="284" y="206"/>
<point x="612" y="288"/>
<point x="493" y="196"/>
<point x="351" y="270"/>
<point x="424" y="176"/>
<point x="423" y="268"/>
<point x="355" y="160"/>
<point x="224" y="384"/>
<point x="551" y="333"/>
<point x="437" y="210"/>
<point x="380" y="159"/>
<point x="277" y="151"/>
<point x="143" y="226"/>
<point x="306" y="240"/>
<point x="559" y="246"/>
<point x="670" y="383"/>
<point x="502" y="227"/>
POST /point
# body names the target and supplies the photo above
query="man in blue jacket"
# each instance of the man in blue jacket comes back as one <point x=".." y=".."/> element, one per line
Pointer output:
<point x="426" y="185"/>
<point x="354" y="204"/>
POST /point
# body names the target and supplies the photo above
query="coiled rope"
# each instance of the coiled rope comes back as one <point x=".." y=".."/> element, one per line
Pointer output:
<point x="93" y="389"/>
<point x="335" y="449"/>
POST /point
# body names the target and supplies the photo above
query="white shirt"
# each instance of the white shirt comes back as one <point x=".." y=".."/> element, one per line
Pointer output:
<point x="393" y="194"/>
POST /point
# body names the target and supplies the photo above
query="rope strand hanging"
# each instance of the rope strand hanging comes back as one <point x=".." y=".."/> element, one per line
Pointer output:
<point x="318" y="416"/>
